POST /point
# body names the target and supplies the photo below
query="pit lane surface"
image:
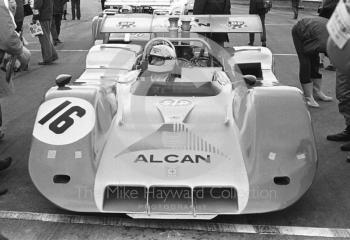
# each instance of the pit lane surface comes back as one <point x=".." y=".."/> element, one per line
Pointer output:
<point x="325" y="205"/>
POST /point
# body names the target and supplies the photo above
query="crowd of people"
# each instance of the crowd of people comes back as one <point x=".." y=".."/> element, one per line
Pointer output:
<point x="309" y="37"/>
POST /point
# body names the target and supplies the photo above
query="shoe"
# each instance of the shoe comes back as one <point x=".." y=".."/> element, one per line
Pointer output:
<point x="330" y="68"/>
<point x="318" y="92"/>
<point x="45" y="63"/>
<point x="3" y="191"/>
<point x="345" y="147"/>
<point x="263" y="44"/>
<point x="311" y="102"/>
<point x="5" y="163"/>
<point x="308" y="89"/>
<point x="343" y="136"/>
<point x="250" y="44"/>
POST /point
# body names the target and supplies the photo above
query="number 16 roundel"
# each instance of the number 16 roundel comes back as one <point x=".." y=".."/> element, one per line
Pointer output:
<point x="63" y="121"/>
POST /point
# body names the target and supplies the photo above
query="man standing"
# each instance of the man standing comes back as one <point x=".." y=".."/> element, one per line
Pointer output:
<point x="56" y="20"/>
<point x="43" y="11"/>
<point x="75" y="9"/>
<point x="213" y="7"/>
<point x="9" y="43"/>
<point x="257" y="7"/>
<point x="103" y="4"/>
<point x="310" y="39"/>
<point x="295" y="7"/>
<point x="340" y="56"/>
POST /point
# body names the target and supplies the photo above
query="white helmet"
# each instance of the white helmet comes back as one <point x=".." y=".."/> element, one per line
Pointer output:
<point x="162" y="59"/>
<point x="126" y="9"/>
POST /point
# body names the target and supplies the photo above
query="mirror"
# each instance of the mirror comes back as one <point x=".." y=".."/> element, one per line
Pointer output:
<point x="250" y="79"/>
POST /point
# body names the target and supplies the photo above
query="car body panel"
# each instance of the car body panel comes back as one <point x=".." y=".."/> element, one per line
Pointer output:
<point x="246" y="148"/>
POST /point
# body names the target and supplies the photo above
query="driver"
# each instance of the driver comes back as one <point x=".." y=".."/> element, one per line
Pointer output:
<point x="161" y="63"/>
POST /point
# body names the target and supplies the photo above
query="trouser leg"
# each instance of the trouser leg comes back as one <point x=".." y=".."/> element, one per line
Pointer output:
<point x="73" y="5"/>
<point x="53" y="29"/>
<point x="251" y="38"/>
<point x="343" y="95"/>
<point x="304" y="60"/>
<point x="78" y="8"/>
<point x="47" y="49"/>
<point x="19" y="26"/>
<point x="263" y="35"/>
<point x="58" y="19"/>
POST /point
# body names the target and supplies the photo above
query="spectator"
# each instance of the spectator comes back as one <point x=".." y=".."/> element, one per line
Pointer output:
<point x="103" y="4"/>
<point x="43" y="11"/>
<point x="19" y="15"/>
<point x="310" y="38"/>
<point x="56" y="20"/>
<point x="213" y="7"/>
<point x="295" y="7"/>
<point x="341" y="59"/>
<point x="326" y="10"/>
<point x="65" y="11"/>
<point x="75" y="9"/>
<point x="9" y="43"/>
<point x="257" y="7"/>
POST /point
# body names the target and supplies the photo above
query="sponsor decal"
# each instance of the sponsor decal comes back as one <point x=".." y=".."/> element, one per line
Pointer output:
<point x="63" y="121"/>
<point x="123" y="25"/>
<point x="173" y="158"/>
<point x="236" y="24"/>
<point x="175" y="102"/>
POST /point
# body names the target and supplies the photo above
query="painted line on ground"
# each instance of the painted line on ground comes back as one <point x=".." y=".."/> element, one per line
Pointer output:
<point x="178" y="225"/>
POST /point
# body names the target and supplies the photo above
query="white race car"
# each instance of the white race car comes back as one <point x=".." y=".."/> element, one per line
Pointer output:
<point x="208" y="140"/>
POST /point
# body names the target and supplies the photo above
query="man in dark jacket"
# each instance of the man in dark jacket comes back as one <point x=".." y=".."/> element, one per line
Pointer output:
<point x="310" y="38"/>
<point x="213" y="7"/>
<point x="43" y="11"/>
<point x="257" y="7"/>
<point x="56" y="20"/>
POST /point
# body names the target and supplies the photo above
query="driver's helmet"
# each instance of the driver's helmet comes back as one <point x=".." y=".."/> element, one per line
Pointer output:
<point x="162" y="59"/>
<point x="126" y="9"/>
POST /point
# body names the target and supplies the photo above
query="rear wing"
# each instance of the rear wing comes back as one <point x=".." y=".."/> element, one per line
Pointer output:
<point x="155" y="4"/>
<point x="117" y="3"/>
<point x="146" y="23"/>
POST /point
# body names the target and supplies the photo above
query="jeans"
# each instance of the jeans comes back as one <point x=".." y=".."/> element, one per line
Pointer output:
<point x="47" y="49"/>
<point x="56" y="26"/>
